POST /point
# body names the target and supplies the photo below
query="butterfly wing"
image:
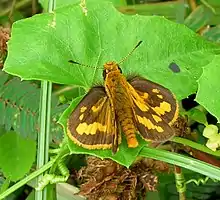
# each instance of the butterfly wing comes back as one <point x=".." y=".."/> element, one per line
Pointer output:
<point x="92" y="124"/>
<point x="155" y="109"/>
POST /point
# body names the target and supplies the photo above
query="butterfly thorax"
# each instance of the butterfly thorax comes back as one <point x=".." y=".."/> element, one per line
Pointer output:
<point x="117" y="89"/>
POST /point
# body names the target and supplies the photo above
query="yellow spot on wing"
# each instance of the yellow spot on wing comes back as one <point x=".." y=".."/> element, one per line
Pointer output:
<point x="99" y="104"/>
<point x="160" y="96"/>
<point x="155" y="91"/>
<point x="91" y="129"/>
<point x="164" y="107"/>
<point x="81" y="117"/>
<point x="147" y="123"/>
<point x="142" y="106"/>
<point x="157" y="118"/>
<point x="83" y="109"/>
<point x="145" y="95"/>
<point x="87" y="146"/>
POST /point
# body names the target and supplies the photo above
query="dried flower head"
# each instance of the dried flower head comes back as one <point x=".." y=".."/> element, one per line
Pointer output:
<point x="181" y="127"/>
<point x="107" y="180"/>
<point x="4" y="37"/>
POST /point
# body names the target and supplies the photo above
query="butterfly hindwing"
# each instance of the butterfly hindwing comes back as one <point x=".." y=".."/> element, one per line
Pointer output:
<point x="92" y="124"/>
<point x="155" y="109"/>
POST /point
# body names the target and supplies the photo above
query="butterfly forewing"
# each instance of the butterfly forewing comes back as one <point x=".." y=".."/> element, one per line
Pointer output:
<point x="92" y="125"/>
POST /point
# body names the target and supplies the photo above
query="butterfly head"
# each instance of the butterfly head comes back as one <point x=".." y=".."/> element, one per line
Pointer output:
<point x="111" y="67"/>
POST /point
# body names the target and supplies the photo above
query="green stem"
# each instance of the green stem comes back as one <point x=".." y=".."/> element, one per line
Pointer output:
<point x="45" y="121"/>
<point x="180" y="182"/>
<point x="41" y="151"/>
<point x="195" y="145"/>
<point x="182" y="161"/>
<point x="47" y="133"/>
<point x="26" y="179"/>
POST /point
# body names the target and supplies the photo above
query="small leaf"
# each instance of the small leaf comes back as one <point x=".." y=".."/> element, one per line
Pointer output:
<point x="197" y="115"/>
<point x="212" y="144"/>
<point x="213" y="34"/>
<point x="209" y="91"/>
<point x="210" y="131"/>
<point x="16" y="155"/>
<point x="198" y="18"/>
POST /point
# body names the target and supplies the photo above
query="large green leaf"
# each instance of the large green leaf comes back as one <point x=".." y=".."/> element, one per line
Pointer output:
<point x="16" y="155"/>
<point x="52" y="39"/>
<point x="209" y="90"/>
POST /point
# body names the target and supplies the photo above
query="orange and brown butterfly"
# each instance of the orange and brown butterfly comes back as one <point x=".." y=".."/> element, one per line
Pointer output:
<point x="130" y="106"/>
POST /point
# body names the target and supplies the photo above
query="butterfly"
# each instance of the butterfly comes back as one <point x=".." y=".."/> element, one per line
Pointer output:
<point x="131" y="106"/>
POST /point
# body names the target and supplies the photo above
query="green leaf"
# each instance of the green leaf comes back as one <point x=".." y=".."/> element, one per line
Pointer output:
<point x="125" y="156"/>
<point x="213" y="34"/>
<point x="104" y="35"/>
<point x="67" y="93"/>
<point x="209" y="92"/>
<point x="19" y="107"/>
<point x="197" y="115"/>
<point x="16" y="155"/>
<point x="198" y="18"/>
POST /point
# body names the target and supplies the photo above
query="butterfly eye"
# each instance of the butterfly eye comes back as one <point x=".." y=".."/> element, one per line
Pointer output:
<point x="120" y="70"/>
<point x="104" y="74"/>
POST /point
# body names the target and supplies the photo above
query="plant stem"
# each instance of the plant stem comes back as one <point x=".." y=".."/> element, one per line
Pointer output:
<point x="180" y="182"/>
<point x="196" y="146"/>
<point x="45" y="110"/>
<point x="42" y="152"/>
<point x="182" y="161"/>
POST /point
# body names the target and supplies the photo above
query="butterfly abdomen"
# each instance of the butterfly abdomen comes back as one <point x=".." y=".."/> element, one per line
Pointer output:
<point x="125" y="118"/>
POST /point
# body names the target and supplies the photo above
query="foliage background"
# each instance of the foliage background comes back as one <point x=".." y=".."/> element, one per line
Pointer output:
<point x="197" y="58"/>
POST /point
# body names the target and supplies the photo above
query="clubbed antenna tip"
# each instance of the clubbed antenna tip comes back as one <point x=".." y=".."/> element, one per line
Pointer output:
<point x="74" y="62"/>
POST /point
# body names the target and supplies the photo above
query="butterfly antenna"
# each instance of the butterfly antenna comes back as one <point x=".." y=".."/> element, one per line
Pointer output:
<point x="77" y="63"/>
<point x="138" y="44"/>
